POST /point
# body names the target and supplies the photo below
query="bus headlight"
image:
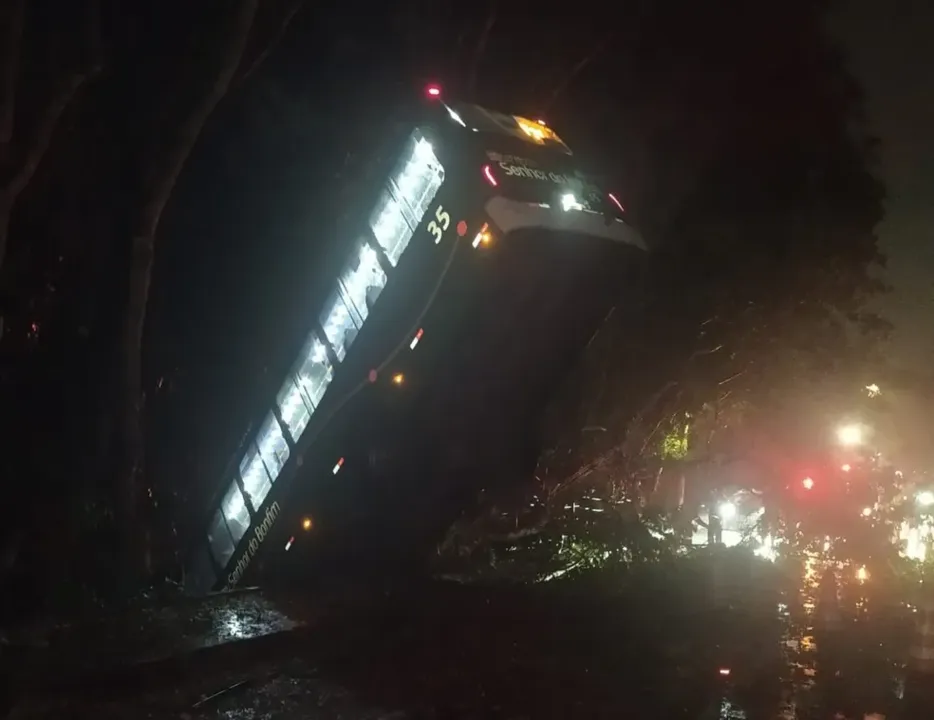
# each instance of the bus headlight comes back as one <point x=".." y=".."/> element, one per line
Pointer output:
<point x="569" y="202"/>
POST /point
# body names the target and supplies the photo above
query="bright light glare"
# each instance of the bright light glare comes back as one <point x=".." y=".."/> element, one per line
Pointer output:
<point x="536" y="131"/>
<point x="873" y="390"/>
<point x="846" y="467"/>
<point x="925" y="498"/>
<point x="569" y="202"/>
<point x="850" y="435"/>
<point x="808" y="483"/>
<point x="398" y="379"/>
<point x="727" y="510"/>
<point x="433" y="91"/>
<point x="867" y="511"/>
<point x="307" y="523"/>
<point x="862" y="574"/>
<point x="725" y="671"/>
<point x="455" y="117"/>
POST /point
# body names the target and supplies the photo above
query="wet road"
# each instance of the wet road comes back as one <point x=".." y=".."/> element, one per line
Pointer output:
<point x="747" y="641"/>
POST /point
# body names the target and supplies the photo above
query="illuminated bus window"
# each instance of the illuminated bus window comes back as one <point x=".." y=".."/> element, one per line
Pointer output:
<point x="272" y="446"/>
<point x="256" y="481"/>
<point x="390" y="227"/>
<point x="222" y="545"/>
<point x="235" y="512"/>
<point x="339" y="326"/>
<point x="411" y="189"/>
<point x="313" y="370"/>
<point x="294" y="407"/>
<point x="362" y="282"/>
<point x="418" y="179"/>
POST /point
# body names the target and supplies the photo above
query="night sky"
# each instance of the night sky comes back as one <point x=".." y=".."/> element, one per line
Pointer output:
<point x="891" y="50"/>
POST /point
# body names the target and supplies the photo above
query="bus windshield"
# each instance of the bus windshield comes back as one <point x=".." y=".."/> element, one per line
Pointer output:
<point x="489" y="121"/>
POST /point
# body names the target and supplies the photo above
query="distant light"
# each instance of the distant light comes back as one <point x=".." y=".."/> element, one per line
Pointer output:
<point x="433" y="90"/>
<point x="418" y="336"/>
<point x="398" y="379"/>
<point x="307" y="524"/>
<point x="925" y="498"/>
<point x="337" y="466"/>
<point x="807" y="483"/>
<point x="862" y="574"/>
<point x="867" y="511"/>
<point x="727" y="510"/>
<point x="766" y="549"/>
<point x="846" y="467"/>
<point x="488" y="174"/>
<point x="617" y="203"/>
<point x="724" y="672"/>
<point x="290" y="543"/>
<point x="873" y="390"/>
<point x="850" y="435"/>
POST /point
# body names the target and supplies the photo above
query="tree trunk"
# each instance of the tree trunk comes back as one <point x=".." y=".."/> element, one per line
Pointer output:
<point x="6" y="212"/>
<point x="157" y="191"/>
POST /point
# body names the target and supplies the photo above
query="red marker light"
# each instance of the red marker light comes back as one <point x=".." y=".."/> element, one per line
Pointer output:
<point x="461" y="228"/>
<point x="617" y="203"/>
<point x="488" y="174"/>
<point x="433" y="91"/>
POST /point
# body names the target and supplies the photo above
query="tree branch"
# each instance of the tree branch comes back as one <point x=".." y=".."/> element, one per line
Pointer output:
<point x="576" y="70"/>
<point x="45" y="129"/>
<point x="162" y="182"/>
<point x="274" y="42"/>
<point x="479" y="50"/>
<point x="11" y="42"/>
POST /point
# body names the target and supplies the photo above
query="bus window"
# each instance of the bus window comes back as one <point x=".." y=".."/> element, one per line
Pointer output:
<point x="235" y="512"/>
<point x="339" y="326"/>
<point x="256" y="481"/>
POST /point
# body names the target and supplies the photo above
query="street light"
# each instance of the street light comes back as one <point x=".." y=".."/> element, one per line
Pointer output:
<point x="850" y="435"/>
<point x="727" y="510"/>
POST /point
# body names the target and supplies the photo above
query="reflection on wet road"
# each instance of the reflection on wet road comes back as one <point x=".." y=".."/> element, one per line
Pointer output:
<point x="741" y="638"/>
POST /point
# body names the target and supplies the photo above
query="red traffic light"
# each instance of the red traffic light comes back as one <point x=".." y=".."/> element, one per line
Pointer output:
<point x="433" y="91"/>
